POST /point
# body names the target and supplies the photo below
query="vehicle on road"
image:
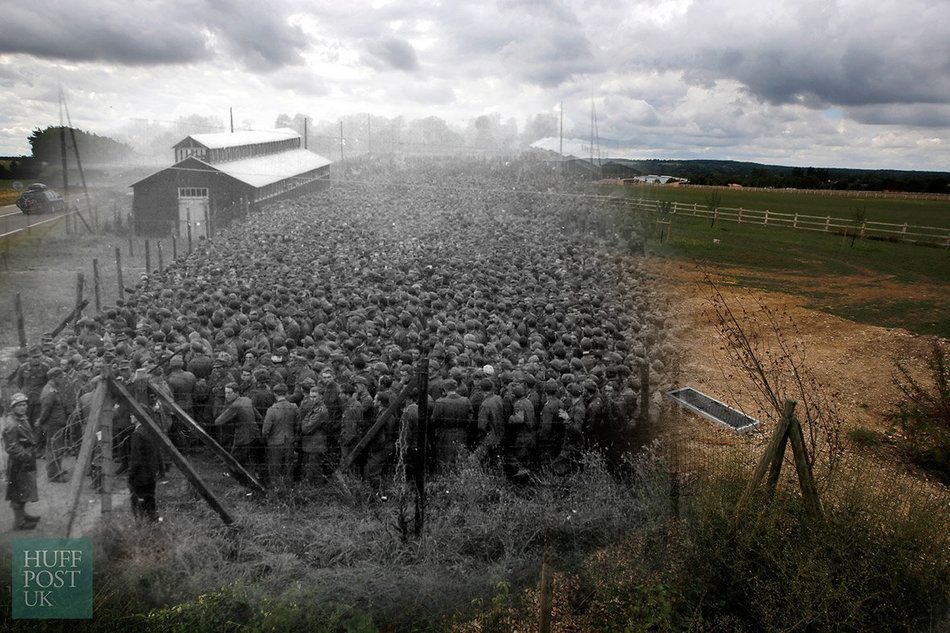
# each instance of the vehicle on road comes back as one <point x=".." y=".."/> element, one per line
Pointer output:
<point x="38" y="198"/>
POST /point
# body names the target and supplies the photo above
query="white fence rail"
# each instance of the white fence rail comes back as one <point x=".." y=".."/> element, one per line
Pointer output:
<point x="910" y="233"/>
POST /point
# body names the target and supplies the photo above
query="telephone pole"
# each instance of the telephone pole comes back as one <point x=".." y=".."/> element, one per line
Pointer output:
<point x="231" y="111"/>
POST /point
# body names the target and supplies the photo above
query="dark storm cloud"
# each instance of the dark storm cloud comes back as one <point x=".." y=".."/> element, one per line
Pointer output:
<point x="392" y="52"/>
<point x="147" y="33"/>
<point x="915" y="115"/>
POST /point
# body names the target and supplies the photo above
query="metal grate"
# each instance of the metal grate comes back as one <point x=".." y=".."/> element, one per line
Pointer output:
<point x="712" y="409"/>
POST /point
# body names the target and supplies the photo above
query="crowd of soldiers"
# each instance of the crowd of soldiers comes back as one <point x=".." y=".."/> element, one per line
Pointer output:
<point x="288" y="334"/>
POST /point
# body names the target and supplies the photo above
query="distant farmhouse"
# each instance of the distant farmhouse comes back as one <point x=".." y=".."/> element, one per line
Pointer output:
<point x="218" y="176"/>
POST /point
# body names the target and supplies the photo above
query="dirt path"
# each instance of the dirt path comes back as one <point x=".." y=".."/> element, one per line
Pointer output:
<point x="53" y="507"/>
<point x="852" y="360"/>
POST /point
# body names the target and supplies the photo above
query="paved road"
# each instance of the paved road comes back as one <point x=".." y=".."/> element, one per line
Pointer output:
<point x="12" y="220"/>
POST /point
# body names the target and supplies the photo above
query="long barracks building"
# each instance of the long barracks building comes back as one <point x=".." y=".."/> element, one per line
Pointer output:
<point x="218" y="176"/>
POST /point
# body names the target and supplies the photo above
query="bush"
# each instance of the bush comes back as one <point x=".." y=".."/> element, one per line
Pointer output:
<point x="923" y="413"/>
<point x="870" y="565"/>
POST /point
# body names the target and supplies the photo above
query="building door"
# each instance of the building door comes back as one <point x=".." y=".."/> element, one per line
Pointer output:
<point x="193" y="209"/>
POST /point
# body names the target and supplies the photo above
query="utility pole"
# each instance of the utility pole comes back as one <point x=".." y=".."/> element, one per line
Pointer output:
<point x="341" y="140"/>
<point x="560" y="144"/>
<point x="231" y="111"/>
<point x="305" y="132"/>
<point x="62" y="144"/>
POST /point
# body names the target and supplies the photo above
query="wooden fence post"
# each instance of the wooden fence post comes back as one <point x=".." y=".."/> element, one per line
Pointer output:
<point x="827" y="223"/>
<point x="864" y="226"/>
<point x="148" y="259"/>
<point x="131" y="249"/>
<point x="766" y="223"/>
<point x="100" y="401"/>
<point x="20" y="324"/>
<point x="189" y="232"/>
<point x="174" y="248"/>
<point x="161" y="257"/>
<point x="740" y="215"/>
<point x="904" y="232"/>
<point x="96" y="284"/>
<point x="80" y="284"/>
<point x="118" y="270"/>
<point x="795" y="222"/>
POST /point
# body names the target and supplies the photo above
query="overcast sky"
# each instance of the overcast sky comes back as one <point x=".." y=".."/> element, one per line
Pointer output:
<point x="854" y="83"/>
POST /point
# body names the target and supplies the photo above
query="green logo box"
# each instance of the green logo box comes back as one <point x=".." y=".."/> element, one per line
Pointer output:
<point x="52" y="579"/>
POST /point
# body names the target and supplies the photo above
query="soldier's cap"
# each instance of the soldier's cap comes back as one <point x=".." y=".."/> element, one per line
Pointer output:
<point x="486" y="384"/>
<point x="308" y="382"/>
<point x="54" y="372"/>
<point x="550" y="386"/>
<point x="488" y="370"/>
<point x="590" y="385"/>
<point x="176" y="361"/>
<point x="575" y="389"/>
<point x="280" y="389"/>
<point x="233" y="386"/>
<point x="450" y="384"/>
<point x="36" y="351"/>
<point x="17" y="398"/>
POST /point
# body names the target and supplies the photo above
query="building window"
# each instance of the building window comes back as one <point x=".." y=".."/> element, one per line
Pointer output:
<point x="192" y="192"/>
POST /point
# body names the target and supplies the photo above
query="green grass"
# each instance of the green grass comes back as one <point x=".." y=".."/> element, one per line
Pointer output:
<point x="8" y="194"/>
<point x="897" y="210"/>
<point x="813" y="265"/>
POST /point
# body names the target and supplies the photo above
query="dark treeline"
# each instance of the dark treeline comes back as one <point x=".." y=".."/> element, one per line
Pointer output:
<point x="46" y="146"/>
<point x="724" y="172"/>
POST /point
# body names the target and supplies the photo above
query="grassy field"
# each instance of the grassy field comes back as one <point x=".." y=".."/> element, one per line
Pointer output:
<point x="919" y="212"/>
<point x="874" y="282"/>
<point x="42" y="267"/>
<point x="8" y="194"/>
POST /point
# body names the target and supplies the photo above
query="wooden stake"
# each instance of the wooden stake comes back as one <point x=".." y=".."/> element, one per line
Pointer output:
<point x="69" y="318"/>
<point x="244" y="476"/>
<point x="131" y="249"/>
<point x="806" y="479"/>
<point x="189" y="232"/>
<point x="174" y="248"/>
<point x="80" y="284"/>
<point x="107" y="466"/>
<point x="96" y="284"/>
<point x="186" y="468"/>
<point x="377" y="426"/>
<point x="161" y="256"/>
<point x="20" y="324"/>
<point x="118" y="269"/>
<point x="771" y="453"/>
<point x="100" y="401"/>
<point x="148" y="259"/>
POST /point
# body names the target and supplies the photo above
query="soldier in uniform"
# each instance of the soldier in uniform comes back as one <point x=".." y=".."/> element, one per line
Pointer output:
<point x="314" y="427"/>
<point x="521" y="436"/>
<point x="52" y="424"/>
<point x="491" y="423"/>
<point x="280" y="423"/>
<point x="450" y="418"/>
<point x="145" y="465"/>
<point x="245" y="431"/>
<point x="22" y="447"/>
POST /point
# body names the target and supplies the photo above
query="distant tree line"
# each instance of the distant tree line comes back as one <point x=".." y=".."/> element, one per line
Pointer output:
<point x="46" y="146"/>
<point x="18" y="168"/>
<point x="723" y="172"/>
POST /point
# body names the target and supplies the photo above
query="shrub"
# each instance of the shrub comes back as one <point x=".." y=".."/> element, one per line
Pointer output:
<point x="923" y="412"/>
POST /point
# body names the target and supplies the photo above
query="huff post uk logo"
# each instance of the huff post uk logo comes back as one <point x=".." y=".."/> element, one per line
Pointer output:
<point x="52" y="578"/>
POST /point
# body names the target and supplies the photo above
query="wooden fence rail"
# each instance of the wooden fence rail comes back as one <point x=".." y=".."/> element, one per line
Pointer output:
<point x="910" y="233"/>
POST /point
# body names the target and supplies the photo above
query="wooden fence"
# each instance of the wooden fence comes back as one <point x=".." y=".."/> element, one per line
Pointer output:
<point x="910" y="233"/>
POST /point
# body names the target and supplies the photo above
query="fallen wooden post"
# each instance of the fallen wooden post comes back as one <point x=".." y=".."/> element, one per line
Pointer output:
<point x="70" y="318"/>
<point x="244" y="476"/>
<point x="377" y="426"/>
<point x="186" y="468"/>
